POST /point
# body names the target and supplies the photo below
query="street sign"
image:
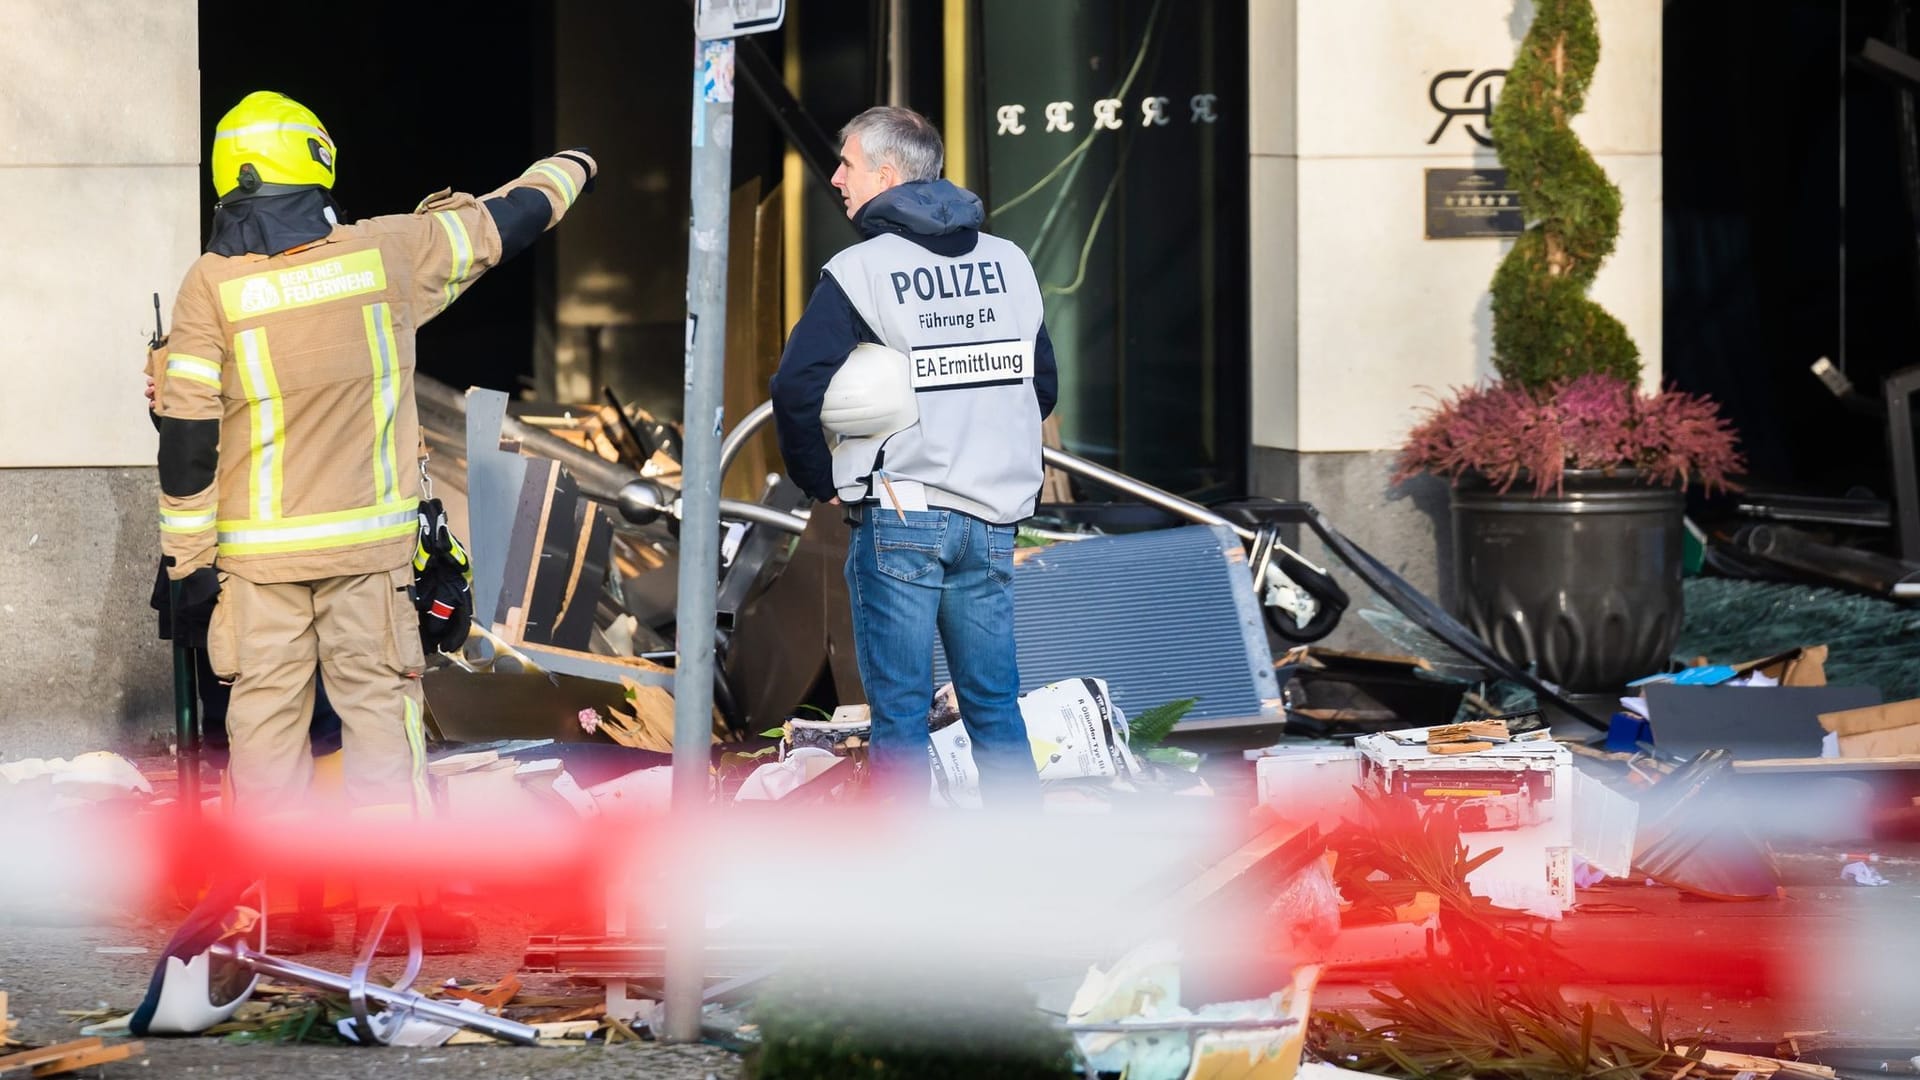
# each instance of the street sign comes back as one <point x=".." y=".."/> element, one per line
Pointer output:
<point x="716" y="19"/>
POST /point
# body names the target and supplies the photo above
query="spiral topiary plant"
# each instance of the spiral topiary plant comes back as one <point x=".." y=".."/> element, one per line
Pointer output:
<point x="1545" y="328"/>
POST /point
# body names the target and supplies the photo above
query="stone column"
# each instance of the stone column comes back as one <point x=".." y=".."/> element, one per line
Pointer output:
<point x="1357" y="317"/>
<point x="99" y="203"/>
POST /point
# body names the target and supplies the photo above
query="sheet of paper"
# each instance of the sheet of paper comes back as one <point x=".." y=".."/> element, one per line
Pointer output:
<point x="911" y="493"/>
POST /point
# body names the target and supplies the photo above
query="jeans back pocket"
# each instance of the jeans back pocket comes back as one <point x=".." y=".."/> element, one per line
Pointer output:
<point x="907" y="550"/>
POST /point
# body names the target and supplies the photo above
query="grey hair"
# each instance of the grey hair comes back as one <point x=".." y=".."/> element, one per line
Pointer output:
<point x="900" y="137"/>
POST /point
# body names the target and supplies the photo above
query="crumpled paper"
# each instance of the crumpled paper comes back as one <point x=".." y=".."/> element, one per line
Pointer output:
<point x="777" y="779"/>
<point x="1862" y="874"/>
<point x="91" y="777"/>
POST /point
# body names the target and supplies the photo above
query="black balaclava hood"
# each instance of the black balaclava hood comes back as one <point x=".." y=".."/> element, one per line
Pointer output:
<point x="271" y="224"/>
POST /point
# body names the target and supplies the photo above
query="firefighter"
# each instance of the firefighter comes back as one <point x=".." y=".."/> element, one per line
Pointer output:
<point x="288" y="478"/>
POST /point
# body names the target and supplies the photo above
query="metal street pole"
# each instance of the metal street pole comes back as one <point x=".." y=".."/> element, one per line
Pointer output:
<point x="700" y="514"/>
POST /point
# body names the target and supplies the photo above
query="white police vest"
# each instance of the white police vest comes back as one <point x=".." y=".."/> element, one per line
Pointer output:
<point x="967" y="324"/>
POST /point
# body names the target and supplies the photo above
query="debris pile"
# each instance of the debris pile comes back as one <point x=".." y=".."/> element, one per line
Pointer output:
<point x="1414" y="863"/>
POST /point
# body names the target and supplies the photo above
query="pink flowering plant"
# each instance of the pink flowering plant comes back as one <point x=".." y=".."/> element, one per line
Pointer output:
<point x="1509" y="433"/>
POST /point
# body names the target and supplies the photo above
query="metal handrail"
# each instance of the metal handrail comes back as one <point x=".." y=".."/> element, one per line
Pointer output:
<point x="751" y="423"/>
<point x="736" y="439"/>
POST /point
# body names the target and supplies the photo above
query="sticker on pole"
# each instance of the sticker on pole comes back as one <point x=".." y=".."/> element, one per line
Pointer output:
<point x="715" y="65"/>
<point x="716" y="19"/>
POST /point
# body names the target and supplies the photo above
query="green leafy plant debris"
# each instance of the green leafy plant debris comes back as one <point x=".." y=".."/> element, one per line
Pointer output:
<point x="1151" y="727"/>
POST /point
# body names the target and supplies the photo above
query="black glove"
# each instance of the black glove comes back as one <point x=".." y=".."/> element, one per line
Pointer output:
<point x="442" y="582"/>
<point x="198" y="593"/>
<point x="581" y="156"/>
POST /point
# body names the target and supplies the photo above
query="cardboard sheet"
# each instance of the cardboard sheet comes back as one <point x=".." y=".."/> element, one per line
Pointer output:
<point x="1881" y="731"/>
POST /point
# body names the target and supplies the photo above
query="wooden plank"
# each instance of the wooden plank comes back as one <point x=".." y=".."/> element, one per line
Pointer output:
<point x="593" y="665"/>
<point x="522" y="555"/>
<point x="552" y="556"/>
<point x="85" y="1059"/>
<point x="573" y="622"/>
<point x="1317" y="657"/>
<point x="1239" y="864"/>
<point x="1761" y="1066"/>
<point x="1055" y="485"/>
<point x="493" y="1000"/>
<point x="583" y="540"/>
<point x="549" y="1034"/>
<point x="31" y="1058"/>
<point x="1824" y="765"/>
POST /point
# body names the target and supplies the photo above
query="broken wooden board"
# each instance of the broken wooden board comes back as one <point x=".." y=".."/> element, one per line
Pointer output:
<point x="1895" y="762"/>
<point x="556" y="554"/>
<point x="88" y="1058"/>
<point x="1275" y="853"/>
<point x="1761" y="1068"/>
<point x="66" y="1057"/>
<point x="1317" y="657"/>
<point x="1469" y="732"/>
<point x="647" y="721"/>
<point x="556" y="1034"/>
<point x="569" y="569"/>
<point x="18" y="1064"/>
<point x="1459" y="748"/>
<point x="493" y="999"/>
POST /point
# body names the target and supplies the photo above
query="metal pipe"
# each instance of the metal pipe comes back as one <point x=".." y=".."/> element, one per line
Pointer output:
<point x="406" y="1000"/>
<point x="186" y="712"/>
<point x="897" y="55"/>
<point x="1146" y="493"/>
<point x="793" y="521"/>
<point x="736" y="439"/>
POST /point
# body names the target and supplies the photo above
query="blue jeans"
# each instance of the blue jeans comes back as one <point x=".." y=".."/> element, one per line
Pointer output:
<point x="939" y="568"/>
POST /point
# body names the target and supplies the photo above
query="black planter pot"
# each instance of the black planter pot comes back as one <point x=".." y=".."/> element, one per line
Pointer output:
<point x="1583" y="586"/>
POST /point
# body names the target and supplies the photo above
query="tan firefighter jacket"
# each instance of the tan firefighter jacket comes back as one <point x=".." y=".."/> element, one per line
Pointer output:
<point x="306" y="358"/>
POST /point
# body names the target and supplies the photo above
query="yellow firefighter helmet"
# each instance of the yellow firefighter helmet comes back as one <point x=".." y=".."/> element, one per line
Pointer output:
<point x="269" y="138"/>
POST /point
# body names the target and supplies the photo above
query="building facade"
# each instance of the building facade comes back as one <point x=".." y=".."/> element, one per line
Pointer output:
<point x="1265" y="230"/>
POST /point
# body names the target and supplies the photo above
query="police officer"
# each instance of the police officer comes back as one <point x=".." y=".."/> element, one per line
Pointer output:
<point x="934" y="503"/>
<point x="287" y="439"/>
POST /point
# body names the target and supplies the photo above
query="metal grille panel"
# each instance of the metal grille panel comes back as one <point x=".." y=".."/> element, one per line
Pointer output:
<point x="1159" y="615"/>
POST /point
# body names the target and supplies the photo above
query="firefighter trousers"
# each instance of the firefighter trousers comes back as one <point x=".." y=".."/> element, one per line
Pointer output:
<point x="364" y="633"/>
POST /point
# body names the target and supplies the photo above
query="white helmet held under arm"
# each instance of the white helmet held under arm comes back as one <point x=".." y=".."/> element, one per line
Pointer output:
<point x="871" y="395"/>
